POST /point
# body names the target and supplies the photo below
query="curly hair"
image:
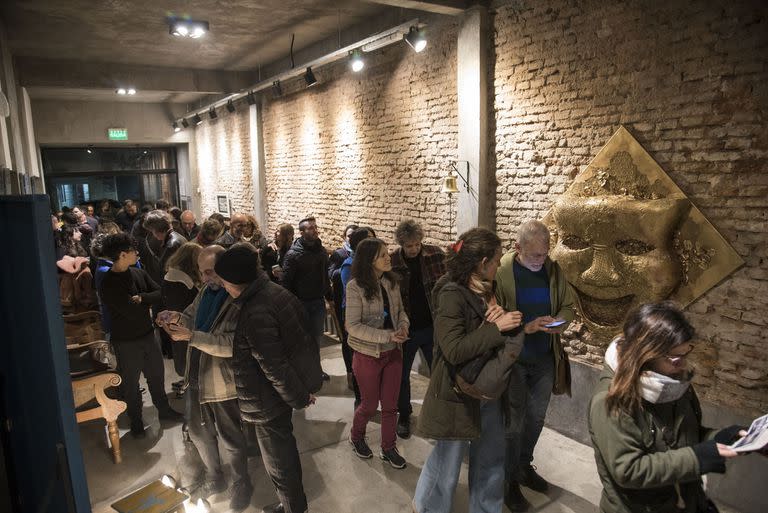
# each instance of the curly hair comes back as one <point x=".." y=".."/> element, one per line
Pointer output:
<point x="408" y="230"/>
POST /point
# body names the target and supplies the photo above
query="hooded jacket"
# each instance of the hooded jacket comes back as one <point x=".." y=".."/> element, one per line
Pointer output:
<point x="305" y="270"/>
<point x="276" y="362"/>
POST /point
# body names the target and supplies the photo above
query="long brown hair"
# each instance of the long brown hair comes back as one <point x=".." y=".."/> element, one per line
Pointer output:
<point x="650" y="332"/>
<point x="185" y="260"/>
<point x="362" y="267"/>
<point x="469" y="251"/>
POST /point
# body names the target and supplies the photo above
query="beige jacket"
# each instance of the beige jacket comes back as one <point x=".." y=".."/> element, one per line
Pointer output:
<point x="365" y="319"/>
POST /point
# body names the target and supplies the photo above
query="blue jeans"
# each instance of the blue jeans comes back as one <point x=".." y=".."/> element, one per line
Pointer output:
<point x="440" y="474"/>
<point x="316" y="312"/>
<point x="420" y="339"/>
<point x="530" y="388"/>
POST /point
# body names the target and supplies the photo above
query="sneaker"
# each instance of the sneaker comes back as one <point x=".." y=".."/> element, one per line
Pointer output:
<point x="514" y="498"/>
<point x="404" y="427"/>
<point x="529" y="478"/>
<point x="360" y="448"/>
<point x="274" y="508"/>
<point x="240" y="494"/>
<point x="170" y="415"/>
<point x="393" y="457"/>
<point x="211" y="487"/>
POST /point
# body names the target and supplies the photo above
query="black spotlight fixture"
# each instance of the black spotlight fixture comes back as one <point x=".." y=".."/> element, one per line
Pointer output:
<point x="416" y="39"/>
<point x="309" y="78"/>
<point x="250" y="98"/>
<point x="230" y="106"/>
<point x="196" y="119"/>
<point x="212" y="113"/>
<point x="184" y="123"/>
<point x="176" y="127"/>
<point x="356" y="61"/>
<point x="277" y="89"/>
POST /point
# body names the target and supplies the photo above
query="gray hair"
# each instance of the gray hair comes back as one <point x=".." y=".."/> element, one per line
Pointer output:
<point x="532" y="230"/>
<point x="157" y="221"/>
<point x="408" y="230"/>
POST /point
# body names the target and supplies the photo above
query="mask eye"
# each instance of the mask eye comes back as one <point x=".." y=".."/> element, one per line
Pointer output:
<point x="575" y="242"/>
<point x="633" y="247"/>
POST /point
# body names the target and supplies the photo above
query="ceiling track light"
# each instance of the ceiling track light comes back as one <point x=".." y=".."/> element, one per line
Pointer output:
<point x="196" y="119"/>
<point x="176" y="127"/>
<point x="277" y="89"/>
<point x="309" y="77"/>
<point x="187" y="28"/>
<point x="121" y="91"/>
<point x="356" y="61"/>
<point x="250" y="98"/>
<point x="185" y="123"/>
<point x="212" y="113"/>
<point x="230" y="106"/>
<point x="416" y="39"/>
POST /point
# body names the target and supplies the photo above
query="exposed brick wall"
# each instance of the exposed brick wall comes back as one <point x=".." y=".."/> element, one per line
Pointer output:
<point x="369" y="147"/>
<point x="690" y="81"/>
<point x="224" y="161"/>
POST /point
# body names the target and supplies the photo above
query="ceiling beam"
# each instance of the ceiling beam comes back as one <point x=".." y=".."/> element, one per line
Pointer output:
<point x="72" y="74"/>
<point x="450" y="7"/>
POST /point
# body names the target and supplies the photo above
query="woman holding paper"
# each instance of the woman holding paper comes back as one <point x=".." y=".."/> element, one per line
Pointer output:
<point x="645" y="419"/>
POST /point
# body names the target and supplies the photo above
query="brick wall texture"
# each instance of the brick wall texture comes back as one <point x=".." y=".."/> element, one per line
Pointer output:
<point x="688" y="79"/>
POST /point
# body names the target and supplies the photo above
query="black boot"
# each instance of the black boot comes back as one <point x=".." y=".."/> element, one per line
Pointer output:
<point x="514" y="498"/>
<point x="529" y="478"/>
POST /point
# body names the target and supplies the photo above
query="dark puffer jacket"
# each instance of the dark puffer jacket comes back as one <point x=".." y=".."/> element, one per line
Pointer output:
<point x="305" y="270"/>
<point x="276" y="362"/>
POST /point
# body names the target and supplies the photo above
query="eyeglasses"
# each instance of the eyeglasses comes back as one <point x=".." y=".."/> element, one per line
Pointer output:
<point x="679" y="357"/>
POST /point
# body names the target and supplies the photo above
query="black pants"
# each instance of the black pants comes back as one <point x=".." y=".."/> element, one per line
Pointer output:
<point x="133" y="358"/>
<point x="210" y="421"/>
<point x="420" y="339"/>
<point x="281" y="461"/>
<point x="347" y="353"/>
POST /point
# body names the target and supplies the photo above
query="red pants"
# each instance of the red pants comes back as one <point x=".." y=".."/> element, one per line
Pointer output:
<point x="379" y="380"/>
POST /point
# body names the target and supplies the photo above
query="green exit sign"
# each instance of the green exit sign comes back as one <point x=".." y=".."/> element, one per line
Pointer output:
<point x="117" y="134"/>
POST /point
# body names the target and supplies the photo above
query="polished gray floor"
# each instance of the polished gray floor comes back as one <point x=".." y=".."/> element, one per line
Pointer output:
<point x="335" y="480"/>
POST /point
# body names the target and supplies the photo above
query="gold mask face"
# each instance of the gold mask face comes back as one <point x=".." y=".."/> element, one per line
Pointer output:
<point x="625" y="235"/>
<point x="617" y="253"/>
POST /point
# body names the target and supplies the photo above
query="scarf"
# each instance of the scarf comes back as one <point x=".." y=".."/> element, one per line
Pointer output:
<point x="654" y="387"/>
<point x="208" y="308"/>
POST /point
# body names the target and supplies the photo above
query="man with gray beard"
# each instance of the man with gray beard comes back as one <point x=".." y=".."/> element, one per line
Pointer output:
<point x="212" y="411"/>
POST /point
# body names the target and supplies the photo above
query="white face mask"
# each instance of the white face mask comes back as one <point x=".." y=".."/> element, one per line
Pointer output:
<point x="654" y="387"/>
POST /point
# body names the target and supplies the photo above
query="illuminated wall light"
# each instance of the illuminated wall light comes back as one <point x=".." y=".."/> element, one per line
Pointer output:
<point x="356" y="60"/>
<point x="416" y="39"/>
<point x="309" y="78"/>
<point x="212" y="113"/>
<point x="230" y="106"/>
<point x="121" y="91"/>
<point x="176" y="127"/>
<point x="187" y="28"/>
<point x="131" y="91"/>
<point x="185" y="123"/>
<point x="196" y="119"/>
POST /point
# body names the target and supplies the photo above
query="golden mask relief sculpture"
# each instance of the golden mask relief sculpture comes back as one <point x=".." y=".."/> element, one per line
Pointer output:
<point x="625" y="234"/>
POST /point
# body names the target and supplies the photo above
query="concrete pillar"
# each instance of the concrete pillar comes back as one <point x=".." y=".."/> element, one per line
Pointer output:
<point x="474" y="207"/>
<point x="28" y="137"/>
<point x="258" y="180"/>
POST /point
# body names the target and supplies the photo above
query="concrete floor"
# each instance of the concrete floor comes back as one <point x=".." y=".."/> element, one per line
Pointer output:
<point x="335" y="480"/>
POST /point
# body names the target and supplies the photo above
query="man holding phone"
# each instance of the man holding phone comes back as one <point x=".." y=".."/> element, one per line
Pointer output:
<point x="529" y="281"/>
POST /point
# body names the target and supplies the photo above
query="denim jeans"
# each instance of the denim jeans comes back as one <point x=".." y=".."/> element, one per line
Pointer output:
<point x="420" y="339"/>
<point x="316" y="312"/>
<point x="379" y="381"/>
<point x="281" y="461"/>
<point x="530" y="388"/>
<point x="440" y="474"/>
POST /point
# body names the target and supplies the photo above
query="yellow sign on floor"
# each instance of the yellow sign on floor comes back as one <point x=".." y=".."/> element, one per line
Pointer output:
<point x="153" y="498"/>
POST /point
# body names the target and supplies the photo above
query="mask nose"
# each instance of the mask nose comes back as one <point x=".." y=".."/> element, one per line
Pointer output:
<point x="602" y="270"/>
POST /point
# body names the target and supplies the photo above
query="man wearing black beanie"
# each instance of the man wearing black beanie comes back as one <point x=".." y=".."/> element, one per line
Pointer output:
<point x="277" y="368"/>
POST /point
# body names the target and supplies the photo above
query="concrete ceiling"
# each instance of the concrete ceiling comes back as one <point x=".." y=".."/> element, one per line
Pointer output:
<point x="108" y="95"/>
<point x="244" y="34"/>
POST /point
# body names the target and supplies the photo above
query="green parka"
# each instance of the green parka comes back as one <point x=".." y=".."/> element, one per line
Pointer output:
<point x="461" y="334"/>
<point x="641" y="458"/>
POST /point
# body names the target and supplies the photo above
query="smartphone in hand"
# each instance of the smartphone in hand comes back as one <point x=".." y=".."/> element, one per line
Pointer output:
<point x="555" y="324"/>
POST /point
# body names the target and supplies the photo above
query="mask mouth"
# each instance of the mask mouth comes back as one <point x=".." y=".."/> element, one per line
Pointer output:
<point x="604" y="312"/>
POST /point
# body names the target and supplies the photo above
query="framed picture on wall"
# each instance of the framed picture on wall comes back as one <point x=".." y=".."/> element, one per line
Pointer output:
<point x="222" y="204"/>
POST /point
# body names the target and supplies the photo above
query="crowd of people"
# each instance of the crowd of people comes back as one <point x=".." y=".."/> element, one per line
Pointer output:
<point x="243" y="319"/>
